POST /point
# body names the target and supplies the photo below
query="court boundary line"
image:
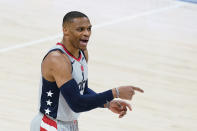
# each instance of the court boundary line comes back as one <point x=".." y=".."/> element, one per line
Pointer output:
<point x="189" y="1"/>
<point x="123" y="19"/>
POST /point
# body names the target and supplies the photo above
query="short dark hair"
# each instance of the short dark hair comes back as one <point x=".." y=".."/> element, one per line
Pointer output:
<point x="71" y="15"/>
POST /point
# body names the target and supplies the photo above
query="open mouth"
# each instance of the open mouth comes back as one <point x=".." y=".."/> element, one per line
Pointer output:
<point x="84" y="42"/>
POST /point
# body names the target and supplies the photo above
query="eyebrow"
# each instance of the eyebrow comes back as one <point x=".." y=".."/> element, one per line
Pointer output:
<point x="84" y="26"/>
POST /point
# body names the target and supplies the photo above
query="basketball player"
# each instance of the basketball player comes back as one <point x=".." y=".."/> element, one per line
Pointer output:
<point x="64" y="91"/>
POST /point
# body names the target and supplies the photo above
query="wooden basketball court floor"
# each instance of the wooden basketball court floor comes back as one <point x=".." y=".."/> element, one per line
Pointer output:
<point x="147" y="43"/>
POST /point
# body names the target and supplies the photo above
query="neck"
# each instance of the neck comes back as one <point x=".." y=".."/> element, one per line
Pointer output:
<point x="69" y="46"/>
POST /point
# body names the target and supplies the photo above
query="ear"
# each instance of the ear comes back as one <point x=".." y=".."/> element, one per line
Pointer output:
<point x="65" y="30"/>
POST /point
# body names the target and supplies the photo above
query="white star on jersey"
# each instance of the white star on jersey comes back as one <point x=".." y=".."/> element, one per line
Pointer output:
<point x="49" y="102"/>
<point x="47" y="111"/>
<point x="49" y="93"/>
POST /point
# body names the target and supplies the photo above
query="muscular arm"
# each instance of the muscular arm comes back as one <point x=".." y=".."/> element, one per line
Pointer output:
<point x="57" y="67"/>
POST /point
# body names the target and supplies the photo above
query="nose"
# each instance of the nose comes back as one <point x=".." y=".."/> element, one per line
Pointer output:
<point x="86" y="33"/>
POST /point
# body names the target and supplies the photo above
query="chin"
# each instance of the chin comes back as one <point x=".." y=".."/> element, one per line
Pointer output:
<point x="83" y="48"/>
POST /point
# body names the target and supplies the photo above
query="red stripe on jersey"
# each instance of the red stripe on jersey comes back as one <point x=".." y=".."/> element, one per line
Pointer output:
<point x="78" y="59"/>
<point x="82" y="69"/>
<point x="42" y="129"/>
<point x="48" y="121"/>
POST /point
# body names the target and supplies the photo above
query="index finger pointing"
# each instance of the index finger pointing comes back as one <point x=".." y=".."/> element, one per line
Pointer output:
<point x="138" y="89"/>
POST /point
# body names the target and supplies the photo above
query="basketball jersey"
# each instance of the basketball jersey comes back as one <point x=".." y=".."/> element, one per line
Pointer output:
<point x="52" y="103"/>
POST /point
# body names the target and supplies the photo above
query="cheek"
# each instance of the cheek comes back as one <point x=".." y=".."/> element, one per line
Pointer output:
<point x="75" y="40"/>
<point x="75" y="35"/>
<point x="72" y="37"/>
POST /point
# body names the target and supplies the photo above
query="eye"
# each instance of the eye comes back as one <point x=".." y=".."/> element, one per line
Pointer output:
<point x="80" y="29"/>
<point x="89" y="29"/>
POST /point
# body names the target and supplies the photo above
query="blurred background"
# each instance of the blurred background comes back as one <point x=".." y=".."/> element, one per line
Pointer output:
<point x="151" y="44"/>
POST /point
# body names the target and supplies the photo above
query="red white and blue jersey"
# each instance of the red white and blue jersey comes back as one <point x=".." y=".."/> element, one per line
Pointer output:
<point x="51" y="101"/>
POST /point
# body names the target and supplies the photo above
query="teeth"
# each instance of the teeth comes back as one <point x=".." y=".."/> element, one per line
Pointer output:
<point x="84" y="40"/>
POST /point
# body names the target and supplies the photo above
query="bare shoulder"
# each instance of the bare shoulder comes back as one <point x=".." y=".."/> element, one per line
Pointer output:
<point x="56" y="59"/>
<point x="54" y="64"/>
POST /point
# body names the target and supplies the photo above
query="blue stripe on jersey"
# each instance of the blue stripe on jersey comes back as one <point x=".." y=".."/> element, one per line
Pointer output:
<point x="49" y="98"/>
